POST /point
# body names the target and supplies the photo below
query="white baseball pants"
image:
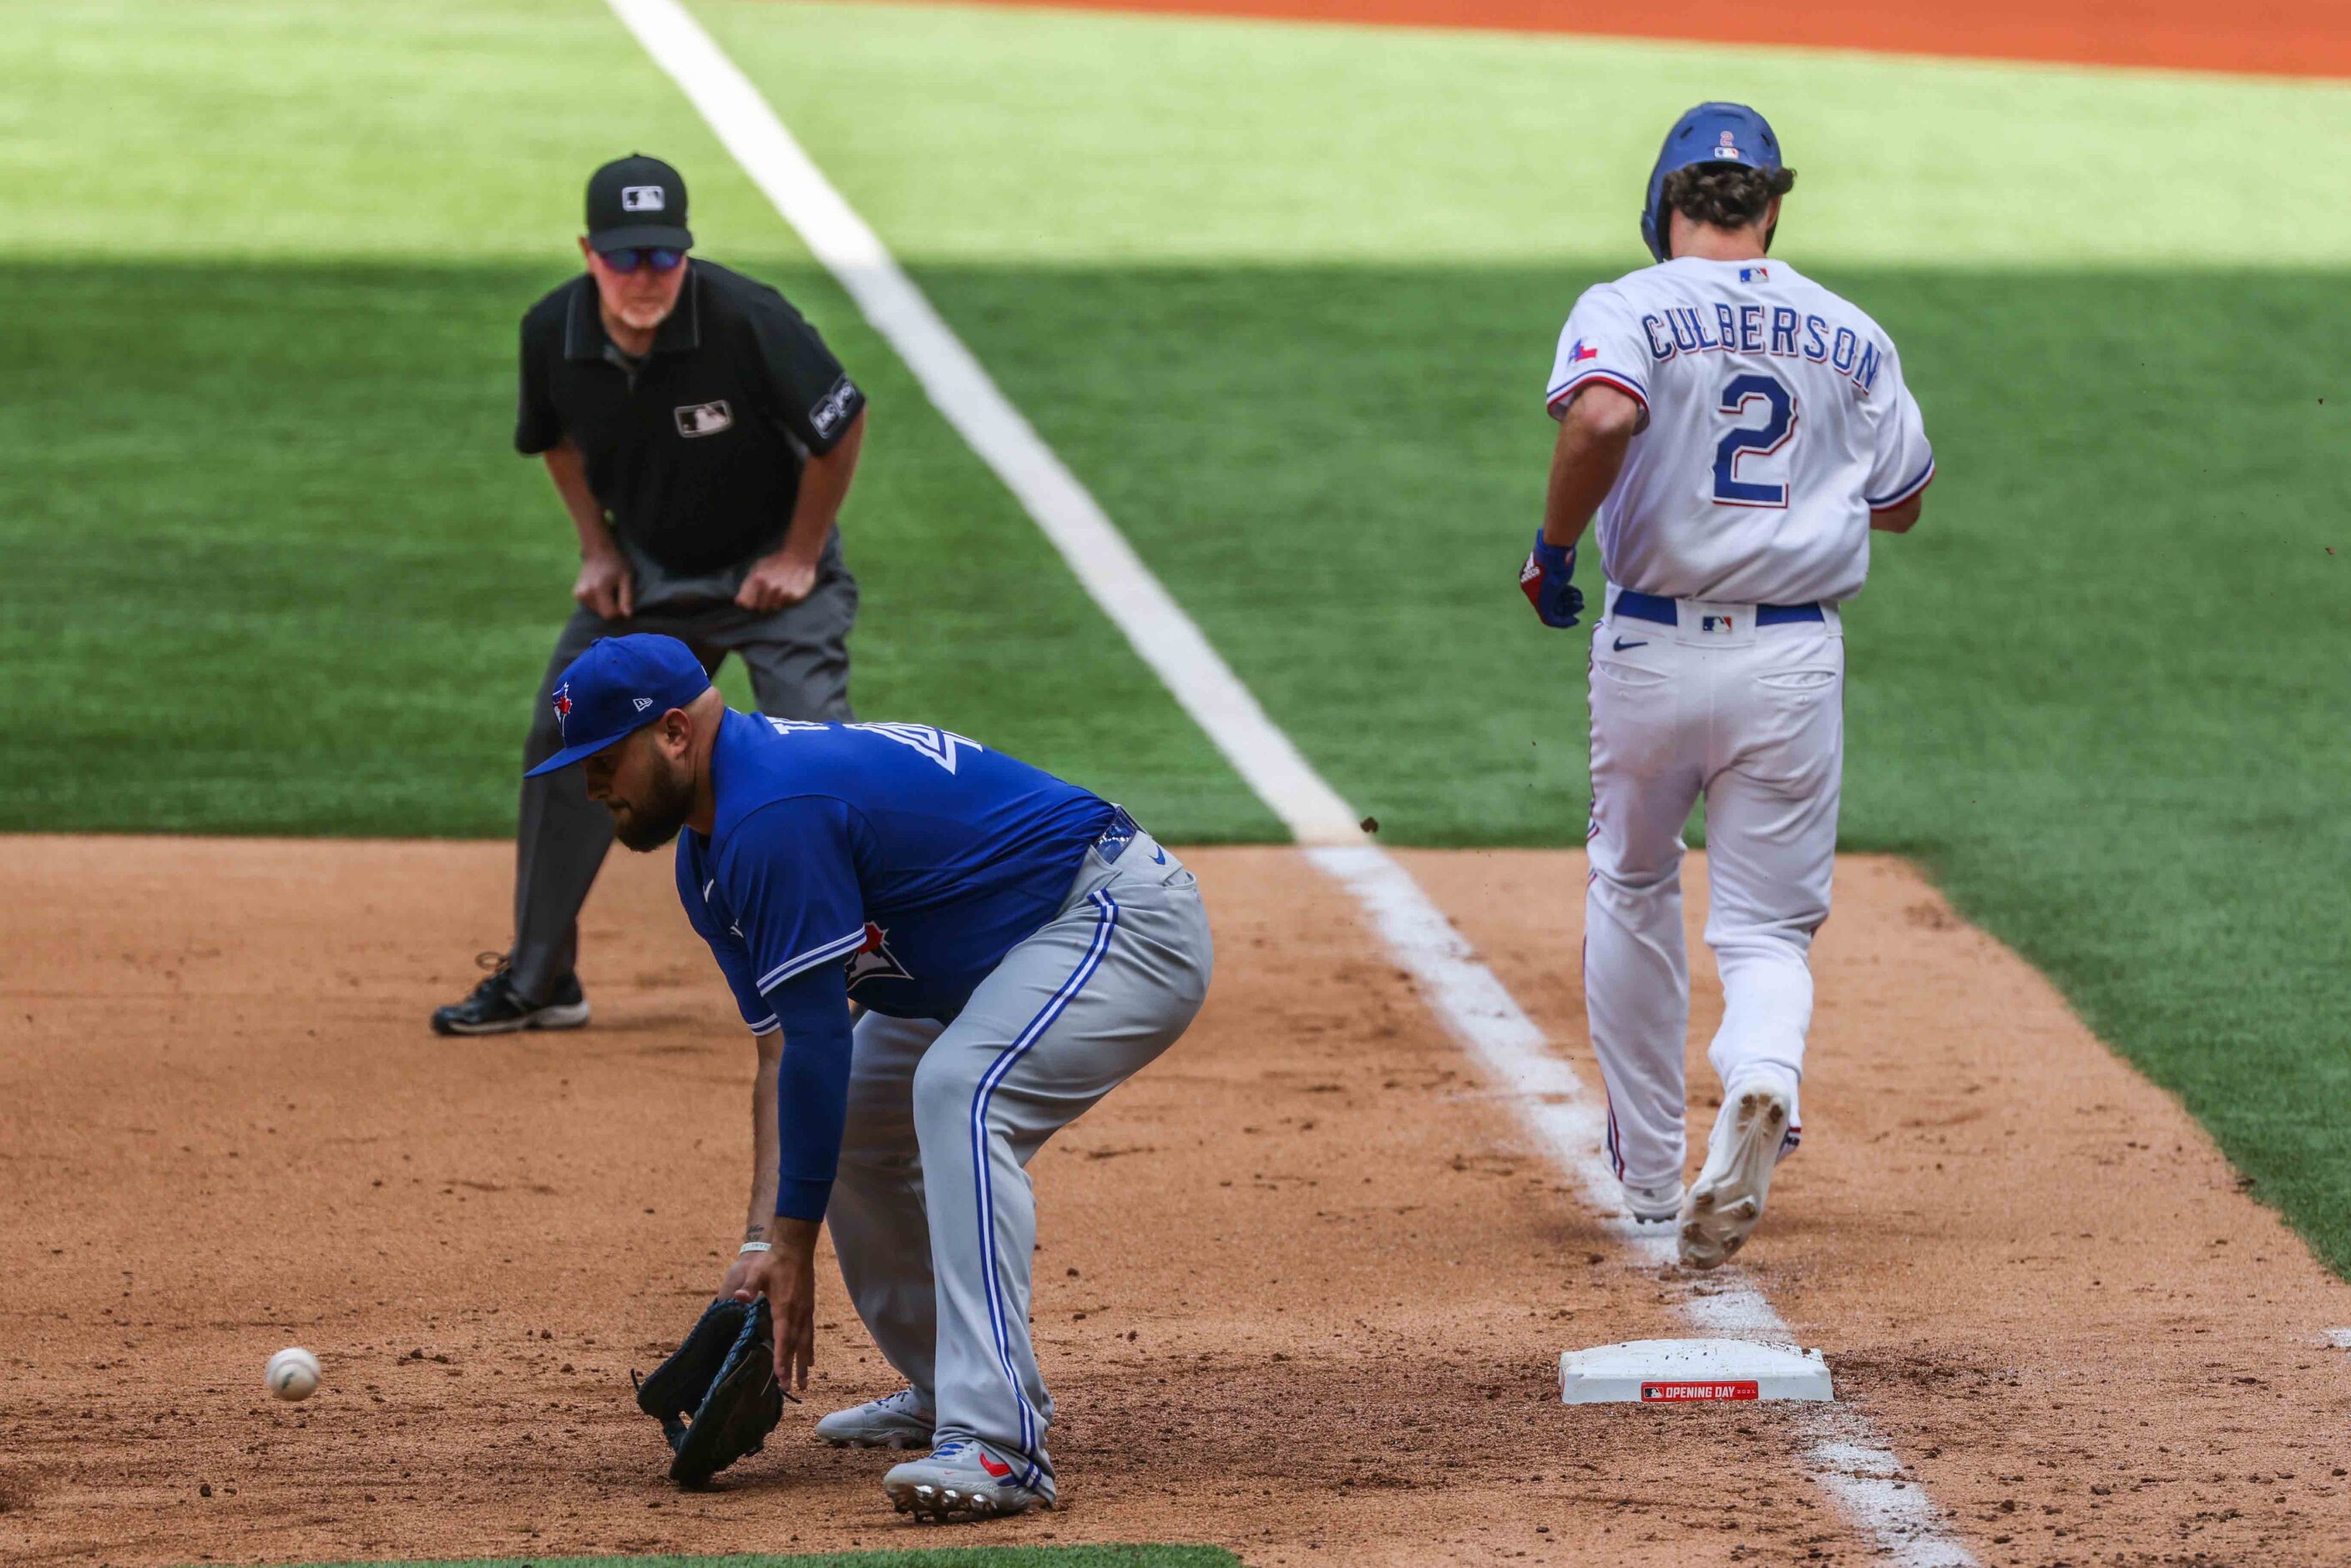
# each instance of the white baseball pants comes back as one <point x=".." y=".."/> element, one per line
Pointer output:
<point x="1752" y="718"/>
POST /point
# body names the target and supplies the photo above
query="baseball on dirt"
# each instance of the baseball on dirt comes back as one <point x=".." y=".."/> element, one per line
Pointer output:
<point x="293" y="1373"/>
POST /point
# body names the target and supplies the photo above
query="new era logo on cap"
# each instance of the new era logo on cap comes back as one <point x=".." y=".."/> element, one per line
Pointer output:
<point x="642" y="199"/>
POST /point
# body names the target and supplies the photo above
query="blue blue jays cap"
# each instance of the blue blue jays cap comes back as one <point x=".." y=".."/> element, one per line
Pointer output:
<point x="616" y="687"/>
<point x="1725" y="132"/>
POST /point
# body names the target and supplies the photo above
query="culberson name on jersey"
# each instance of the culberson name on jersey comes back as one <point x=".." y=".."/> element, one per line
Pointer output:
<point x="1779" y="331"/>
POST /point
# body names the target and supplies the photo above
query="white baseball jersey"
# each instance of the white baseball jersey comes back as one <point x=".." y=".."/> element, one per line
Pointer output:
<point x="1775" y="419"/>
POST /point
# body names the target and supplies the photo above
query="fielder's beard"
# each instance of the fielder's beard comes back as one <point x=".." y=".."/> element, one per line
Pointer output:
<point x="650" y="823"/>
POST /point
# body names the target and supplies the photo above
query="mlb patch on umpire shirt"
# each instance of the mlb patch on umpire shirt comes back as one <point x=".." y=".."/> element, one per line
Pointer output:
<point x="704" y="418"/>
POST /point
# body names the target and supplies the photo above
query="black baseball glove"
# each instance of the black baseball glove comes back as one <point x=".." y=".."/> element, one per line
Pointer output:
<point x="716" y="1398"/>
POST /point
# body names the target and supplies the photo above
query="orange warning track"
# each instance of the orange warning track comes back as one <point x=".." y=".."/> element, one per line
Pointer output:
<point x="2272" y="37"/>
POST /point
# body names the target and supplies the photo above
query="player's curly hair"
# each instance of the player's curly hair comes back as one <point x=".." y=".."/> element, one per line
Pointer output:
<point x="1727" y="195"/>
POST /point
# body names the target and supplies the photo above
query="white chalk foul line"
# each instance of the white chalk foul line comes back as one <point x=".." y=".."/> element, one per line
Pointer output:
<point x="1845" y="1457"/>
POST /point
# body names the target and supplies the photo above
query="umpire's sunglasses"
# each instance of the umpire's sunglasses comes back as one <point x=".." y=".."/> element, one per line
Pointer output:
<point x="660" y="260"/>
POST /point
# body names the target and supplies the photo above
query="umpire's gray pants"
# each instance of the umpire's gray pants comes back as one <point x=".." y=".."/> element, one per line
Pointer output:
<point x="932" y="1214"/>
<point x="798" y="661"/>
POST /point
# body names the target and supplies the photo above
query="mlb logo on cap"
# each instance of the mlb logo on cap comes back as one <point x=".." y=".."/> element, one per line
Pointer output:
<point x="637" y="203"/>
<point x="616" y="687"/>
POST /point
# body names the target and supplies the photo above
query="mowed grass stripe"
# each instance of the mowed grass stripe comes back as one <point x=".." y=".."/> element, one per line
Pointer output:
<point x="970" y="134"/>
<point x="281" y="572"/>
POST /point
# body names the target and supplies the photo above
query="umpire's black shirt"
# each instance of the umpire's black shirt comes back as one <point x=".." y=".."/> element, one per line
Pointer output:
<point x="696" y="449"/>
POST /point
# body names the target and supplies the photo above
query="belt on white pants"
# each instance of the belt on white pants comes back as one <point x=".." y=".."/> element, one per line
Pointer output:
<point x="1666" y="612"/>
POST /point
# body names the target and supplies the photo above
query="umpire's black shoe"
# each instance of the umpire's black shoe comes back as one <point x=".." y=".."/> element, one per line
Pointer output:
<point x="496" y="1008"/>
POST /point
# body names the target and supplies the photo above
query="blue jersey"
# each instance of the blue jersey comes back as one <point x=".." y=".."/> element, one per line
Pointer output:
<point x="895" y="862"/>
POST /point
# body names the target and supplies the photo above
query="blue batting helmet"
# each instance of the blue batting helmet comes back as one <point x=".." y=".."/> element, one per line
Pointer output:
<point x="1729" y="132"/>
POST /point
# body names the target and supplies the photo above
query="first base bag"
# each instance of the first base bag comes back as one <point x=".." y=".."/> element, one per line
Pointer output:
<point x="717" y="1398"/>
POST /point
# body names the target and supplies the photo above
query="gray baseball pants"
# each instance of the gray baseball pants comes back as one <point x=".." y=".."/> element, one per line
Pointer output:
<point x="932" y="1215"/>
<point x="797" y="658"/>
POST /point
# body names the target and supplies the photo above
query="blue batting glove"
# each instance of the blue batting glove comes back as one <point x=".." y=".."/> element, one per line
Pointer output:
<point x="1544" y="580"/>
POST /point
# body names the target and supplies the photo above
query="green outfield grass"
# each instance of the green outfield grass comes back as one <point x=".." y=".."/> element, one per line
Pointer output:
<point x="1285" y="298"/>
<point x="272" y="563"/>
<point x="274" y="567"/>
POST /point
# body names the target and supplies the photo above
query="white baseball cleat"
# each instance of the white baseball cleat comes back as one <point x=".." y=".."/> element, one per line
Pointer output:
<point x="959" y="1483"/>
<point x="1660" y="1204"/>
<point x="893" y="1421"/>
<point x="1728" y="1199"/>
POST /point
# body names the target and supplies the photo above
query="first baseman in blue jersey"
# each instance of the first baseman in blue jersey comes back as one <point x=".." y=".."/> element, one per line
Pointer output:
<point x="1018" y="947"/>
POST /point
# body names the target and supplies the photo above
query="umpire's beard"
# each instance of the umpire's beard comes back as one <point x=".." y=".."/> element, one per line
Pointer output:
<point x="648" y="824"/>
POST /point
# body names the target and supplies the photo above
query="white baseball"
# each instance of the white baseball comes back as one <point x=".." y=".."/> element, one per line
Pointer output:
<point x="293" y="1373"/>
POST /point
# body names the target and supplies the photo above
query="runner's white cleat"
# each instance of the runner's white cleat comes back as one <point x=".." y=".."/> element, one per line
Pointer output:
<point x="1728" y="1199"/>
<point x="1660" y="1204"/>
<point x="959" y="1483"/>
<point x="893" y="1421"/>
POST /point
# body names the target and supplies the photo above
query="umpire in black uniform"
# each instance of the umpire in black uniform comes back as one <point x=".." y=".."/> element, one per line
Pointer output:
<point x="702" y="437"/>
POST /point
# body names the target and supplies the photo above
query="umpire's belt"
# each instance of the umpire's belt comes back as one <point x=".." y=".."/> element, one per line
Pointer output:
<point x="1651" y="607"/>
<point x="1116" y="837"/>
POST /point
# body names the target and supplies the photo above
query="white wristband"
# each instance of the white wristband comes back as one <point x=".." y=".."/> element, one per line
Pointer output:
<point x="757" y="1247"/>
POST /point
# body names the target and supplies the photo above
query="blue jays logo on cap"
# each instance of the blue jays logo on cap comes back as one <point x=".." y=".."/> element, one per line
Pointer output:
<point x="616" y="687"/>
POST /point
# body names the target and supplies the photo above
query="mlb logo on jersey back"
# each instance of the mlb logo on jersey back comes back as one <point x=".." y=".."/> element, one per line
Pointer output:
<point x="1754" y="275"/>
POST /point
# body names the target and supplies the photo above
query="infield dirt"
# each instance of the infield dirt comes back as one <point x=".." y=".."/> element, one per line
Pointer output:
<point x="1302" y="1287"/>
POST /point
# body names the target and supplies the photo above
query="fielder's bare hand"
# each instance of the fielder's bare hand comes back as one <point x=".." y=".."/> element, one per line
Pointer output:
<point x="787" y="1277"/>
<point x="777" y="580"/>
<point x="606" y="586"/>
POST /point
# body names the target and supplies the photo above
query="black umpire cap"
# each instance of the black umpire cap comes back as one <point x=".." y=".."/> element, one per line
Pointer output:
<point x="637" y="201"/>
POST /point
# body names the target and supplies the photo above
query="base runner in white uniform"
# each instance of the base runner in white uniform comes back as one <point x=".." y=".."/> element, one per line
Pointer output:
<point x="1740" y="430"/>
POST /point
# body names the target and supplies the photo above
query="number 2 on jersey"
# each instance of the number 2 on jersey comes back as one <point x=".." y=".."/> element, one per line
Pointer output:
<point x="1739" y="396"/>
